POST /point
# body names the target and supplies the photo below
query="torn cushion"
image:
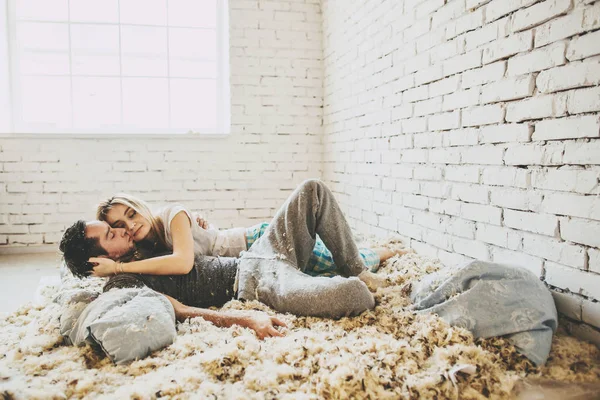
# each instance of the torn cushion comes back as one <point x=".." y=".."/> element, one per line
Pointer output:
<point x="73" y="302"/>
<point x="128" y="324"/>
<point x="492" y="300"/>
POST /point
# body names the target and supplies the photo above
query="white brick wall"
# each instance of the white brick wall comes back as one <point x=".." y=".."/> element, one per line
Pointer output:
<point x="469" y="127"/>
<point x="275" y="143"/>
<point x="491" y="132"/>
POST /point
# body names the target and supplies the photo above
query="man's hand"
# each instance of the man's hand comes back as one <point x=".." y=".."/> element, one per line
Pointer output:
<point x="264" y="325"/>
<point x="261" y="323"/>
<point x="103" y="266"/>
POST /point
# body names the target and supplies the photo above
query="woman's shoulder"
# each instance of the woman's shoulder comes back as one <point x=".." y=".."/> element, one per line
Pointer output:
<point x="169" y="208"/>
<point x="168" y="211"/>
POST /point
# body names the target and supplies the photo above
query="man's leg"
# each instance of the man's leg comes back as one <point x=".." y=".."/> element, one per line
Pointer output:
<point x="309" y="211"/>
<point x="321" y="261"/>
<point x="286" y="289"/>
<point x="270" y="269"/>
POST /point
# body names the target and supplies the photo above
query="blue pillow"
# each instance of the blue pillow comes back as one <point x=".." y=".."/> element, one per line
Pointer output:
<point x="128" y="324"/>
<point x="492" y="300"/>
<point x="73" y="303"/>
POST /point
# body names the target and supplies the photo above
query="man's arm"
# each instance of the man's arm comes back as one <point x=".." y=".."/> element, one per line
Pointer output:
<point x="264" y="325"/>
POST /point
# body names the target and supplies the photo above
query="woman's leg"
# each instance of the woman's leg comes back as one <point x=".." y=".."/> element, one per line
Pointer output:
<point x="321" y="261"/>
<point x="254" y="232"/>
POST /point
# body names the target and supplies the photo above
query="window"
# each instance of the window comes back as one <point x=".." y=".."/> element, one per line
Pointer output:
<point x="114" y="66"/>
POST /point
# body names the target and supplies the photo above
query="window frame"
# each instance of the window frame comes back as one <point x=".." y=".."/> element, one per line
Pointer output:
<point x="9" y="93"/>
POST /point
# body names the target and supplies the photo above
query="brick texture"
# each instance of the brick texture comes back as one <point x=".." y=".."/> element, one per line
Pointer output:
<point x="495" y="131"/>
<point x="468" y="127"/>
<point x="276" y="63"/>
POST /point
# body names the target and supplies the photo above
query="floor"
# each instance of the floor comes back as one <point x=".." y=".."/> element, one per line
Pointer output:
<point x="21" y="275"/>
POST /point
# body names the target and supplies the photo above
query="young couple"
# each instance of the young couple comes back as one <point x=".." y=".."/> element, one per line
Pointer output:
<point x="181" y="257"/>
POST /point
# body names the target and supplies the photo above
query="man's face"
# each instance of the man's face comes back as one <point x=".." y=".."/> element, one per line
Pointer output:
<point x="115" y="241"/>
<point x="122" y="216"/>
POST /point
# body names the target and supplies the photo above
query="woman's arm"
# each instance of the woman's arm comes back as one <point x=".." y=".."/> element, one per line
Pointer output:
<point x="180" y="262"/>
<point x="262" y="324"/>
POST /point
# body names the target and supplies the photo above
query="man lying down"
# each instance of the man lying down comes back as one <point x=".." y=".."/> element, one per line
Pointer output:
<point x="488" y="299"/>
<point x="271" y="271"/>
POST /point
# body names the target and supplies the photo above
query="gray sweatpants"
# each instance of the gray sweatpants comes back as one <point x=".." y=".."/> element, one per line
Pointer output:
<point x="271" y="271"/>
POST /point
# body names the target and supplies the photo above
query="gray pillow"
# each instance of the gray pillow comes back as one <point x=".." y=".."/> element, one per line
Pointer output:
<point x="128" y="324"/>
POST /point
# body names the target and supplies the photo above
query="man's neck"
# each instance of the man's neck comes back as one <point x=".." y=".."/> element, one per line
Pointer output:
<point x="133" y="255"/>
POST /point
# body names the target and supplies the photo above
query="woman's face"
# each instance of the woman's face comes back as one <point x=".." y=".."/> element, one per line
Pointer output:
<point x="121" y="216"/>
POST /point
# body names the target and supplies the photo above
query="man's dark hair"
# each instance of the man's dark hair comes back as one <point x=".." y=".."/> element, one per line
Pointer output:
<point x="77" y="249"/>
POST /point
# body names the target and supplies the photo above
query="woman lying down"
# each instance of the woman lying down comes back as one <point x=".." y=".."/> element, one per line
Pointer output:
<point x="274" y="268"/>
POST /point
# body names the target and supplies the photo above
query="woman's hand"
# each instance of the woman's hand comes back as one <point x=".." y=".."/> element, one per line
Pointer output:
<point x="202" y="223"/>
<point x="264" y="325"/>
<point x="103" y="266"/>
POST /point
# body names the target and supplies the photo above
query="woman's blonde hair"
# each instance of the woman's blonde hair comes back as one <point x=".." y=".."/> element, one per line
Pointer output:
<point x="142" y="208"/>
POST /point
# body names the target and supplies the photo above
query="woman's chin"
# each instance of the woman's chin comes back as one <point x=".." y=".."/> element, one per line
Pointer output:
<point x="141" y="235"/>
